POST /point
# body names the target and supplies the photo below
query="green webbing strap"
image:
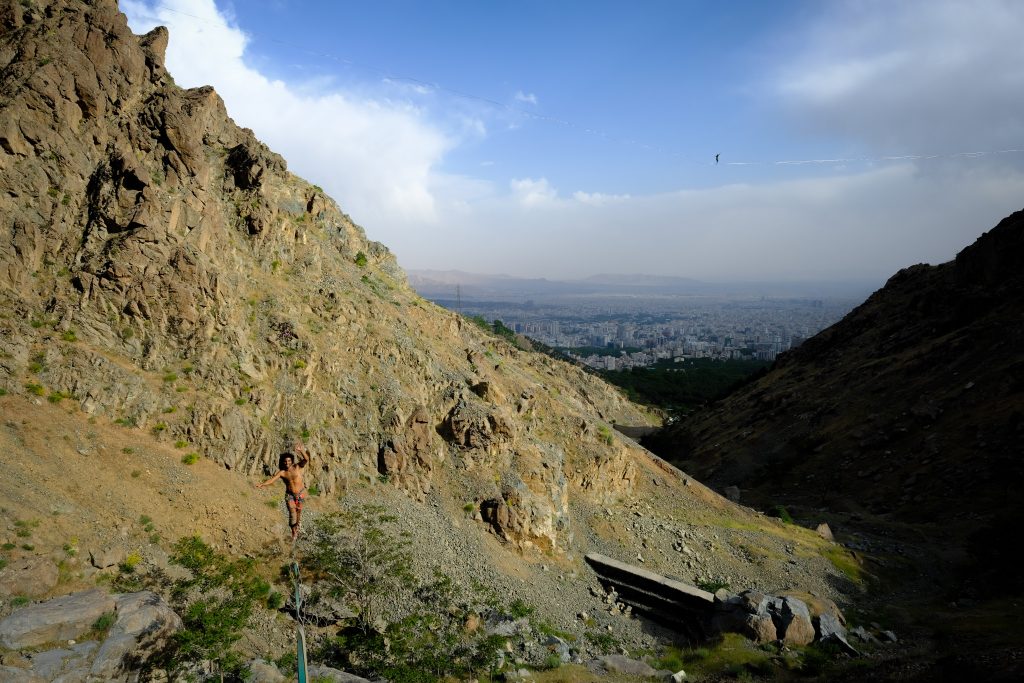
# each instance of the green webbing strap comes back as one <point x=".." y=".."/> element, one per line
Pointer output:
<point x="300" y="633"/>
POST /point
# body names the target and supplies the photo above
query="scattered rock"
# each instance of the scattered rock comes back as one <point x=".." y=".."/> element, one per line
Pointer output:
<point x="107" y="557"/>
<point x="31" y="577"/>
<point x="831" y="630"/>
<point x="10" y="674"/>
<point x="621" y="664"/>
<point x="825" y="531"/>
<point x="262" y="671"/>
<point x="329" y="675"/>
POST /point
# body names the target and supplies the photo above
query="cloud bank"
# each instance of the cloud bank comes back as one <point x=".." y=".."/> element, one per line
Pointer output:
<point x="922" y="76"/>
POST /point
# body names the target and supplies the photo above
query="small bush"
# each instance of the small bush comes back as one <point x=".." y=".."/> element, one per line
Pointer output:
<point x="170" y="377"/>
<point x="129" y="563"/>
<point x="712" y="585"/>
<point x="360" y="260"/>
<point x="190" y="458"/>
<point x="240" y="401"/>
<point x="103" y="624"/>
<point x="57" y="396"/>
<point x="127" y="450"/>
<point x="145" y="519"/>
<point x="782" y="513"/>
<point x="8" y="546"/>
<point x="136" y="474"/>
<point x="19" y="601"/>
<point x="160" y="427"/>
<point x="552" y="661"/>
<point x="519" y="609"/>
<point x="35" y="389"/>
<point x="605" y="642"/>
<point x="28" y="547"/>
<point x="3" y="392"/>
<point x="69" y="336"/>
<point x="180" y="444"/>
<point x="275" y="600"/>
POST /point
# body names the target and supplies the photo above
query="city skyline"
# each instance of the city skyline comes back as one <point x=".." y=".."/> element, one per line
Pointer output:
<point x="794" y="140"/>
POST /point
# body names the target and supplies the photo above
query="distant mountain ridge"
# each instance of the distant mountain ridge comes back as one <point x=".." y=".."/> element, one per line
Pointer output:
<point x="441" y="284"/>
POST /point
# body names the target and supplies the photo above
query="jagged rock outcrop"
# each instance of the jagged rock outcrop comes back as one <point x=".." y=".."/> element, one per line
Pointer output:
<point x="163" y="269"/>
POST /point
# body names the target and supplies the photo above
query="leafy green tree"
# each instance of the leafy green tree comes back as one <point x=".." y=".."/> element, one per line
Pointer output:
<point x="364" y="559"/>
<point x="361" y="558"/>
<point x="215" y="601"/>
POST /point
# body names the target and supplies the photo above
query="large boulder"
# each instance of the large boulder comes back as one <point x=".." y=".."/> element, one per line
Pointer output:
<point x="62" y="618"/>
<point x="144" y="624"/>
<point x="792" y="620"/>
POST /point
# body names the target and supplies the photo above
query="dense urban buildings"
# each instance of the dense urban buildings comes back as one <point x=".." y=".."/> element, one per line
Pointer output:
<point x="618" y="333"/>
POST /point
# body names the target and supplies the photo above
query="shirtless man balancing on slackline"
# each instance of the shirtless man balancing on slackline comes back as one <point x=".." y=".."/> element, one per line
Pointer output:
<point x="294" y="488"/>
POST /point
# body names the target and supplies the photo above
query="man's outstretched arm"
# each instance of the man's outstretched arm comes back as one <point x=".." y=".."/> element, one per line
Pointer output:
<point x="270" y="481"/>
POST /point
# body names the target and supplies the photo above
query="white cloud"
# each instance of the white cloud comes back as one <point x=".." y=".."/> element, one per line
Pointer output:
<point x="528" y="98"/>
<point x="923" y="76"/>
<point x="531" y="193"/>
<point x="598" y="198"/>
<point x="377" y="157"/>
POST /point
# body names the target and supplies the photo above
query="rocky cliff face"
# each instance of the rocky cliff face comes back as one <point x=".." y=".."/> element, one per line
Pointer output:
<point x="912" y="407"/>
<point x="160" y="266"/>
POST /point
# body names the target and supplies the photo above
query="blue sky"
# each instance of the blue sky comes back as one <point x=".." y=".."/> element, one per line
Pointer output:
<point x="563" y="139"/>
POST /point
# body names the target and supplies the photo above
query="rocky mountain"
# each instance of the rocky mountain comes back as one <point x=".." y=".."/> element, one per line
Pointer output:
<point x="176" y="308"/>
<point x="165" y="269"/>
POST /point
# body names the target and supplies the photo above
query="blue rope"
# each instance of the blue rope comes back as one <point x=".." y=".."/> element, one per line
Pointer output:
<point x="300" y="633"/>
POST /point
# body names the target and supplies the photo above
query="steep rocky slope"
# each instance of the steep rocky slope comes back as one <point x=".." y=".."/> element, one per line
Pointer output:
<point x="162" y="267"/>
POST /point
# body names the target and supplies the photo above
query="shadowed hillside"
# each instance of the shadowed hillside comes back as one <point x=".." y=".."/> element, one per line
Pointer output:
<point x="905" y="420"/>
